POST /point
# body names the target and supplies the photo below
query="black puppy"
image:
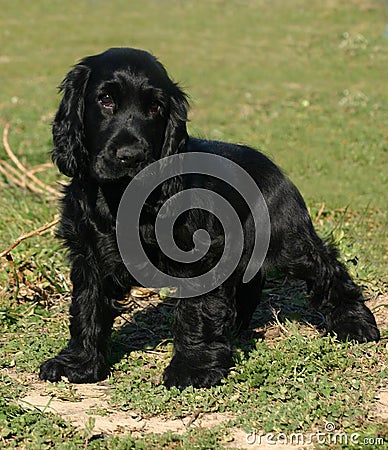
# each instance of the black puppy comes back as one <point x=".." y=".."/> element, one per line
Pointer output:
<point x="119" y="113"/>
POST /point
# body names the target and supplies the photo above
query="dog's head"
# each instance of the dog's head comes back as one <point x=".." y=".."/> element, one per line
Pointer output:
<point x="119" y="112"/>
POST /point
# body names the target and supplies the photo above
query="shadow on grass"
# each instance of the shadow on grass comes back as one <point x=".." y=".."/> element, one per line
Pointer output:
<point x="146" y="324"/>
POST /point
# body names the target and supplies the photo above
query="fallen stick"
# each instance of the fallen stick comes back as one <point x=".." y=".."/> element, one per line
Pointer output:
<point x="18" y="178"/>
<point x="25" y="236"/>
<point x="11" y="178"/>
<point x="40" y="168"/>
<point x="23" y="169"/>
<point x="320" y="212"/>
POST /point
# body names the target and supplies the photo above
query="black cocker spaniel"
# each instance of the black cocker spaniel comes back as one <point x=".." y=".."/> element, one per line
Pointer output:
<point x="121" y="112"/>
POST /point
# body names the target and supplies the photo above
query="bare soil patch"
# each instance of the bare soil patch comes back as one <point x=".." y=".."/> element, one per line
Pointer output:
<point x="79" y="403"/>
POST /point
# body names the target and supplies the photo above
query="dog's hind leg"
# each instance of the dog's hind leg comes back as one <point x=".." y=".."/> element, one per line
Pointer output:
<point x="304" y="255"/>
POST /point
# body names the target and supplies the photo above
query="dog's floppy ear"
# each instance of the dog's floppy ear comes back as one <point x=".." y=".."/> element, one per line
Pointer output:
<point x="176" y="132"/>
<point x="175" y="138"/>
<point x="69" y="153"/>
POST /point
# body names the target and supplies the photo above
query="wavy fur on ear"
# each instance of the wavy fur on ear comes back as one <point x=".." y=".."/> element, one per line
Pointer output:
<point x="175" y="138"/>
<point x="176" y="132"/>
<point x="69" y="153"/>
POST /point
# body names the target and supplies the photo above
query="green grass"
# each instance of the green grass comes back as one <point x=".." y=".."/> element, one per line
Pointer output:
<point x="303" y="81"/>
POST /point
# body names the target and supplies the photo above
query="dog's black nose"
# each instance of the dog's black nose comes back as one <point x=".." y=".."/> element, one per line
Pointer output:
<point x="130" y="155"/>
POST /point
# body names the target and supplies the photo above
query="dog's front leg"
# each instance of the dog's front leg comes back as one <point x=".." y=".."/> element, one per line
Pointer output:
<point x="84" y="360"/>
<point x="202" y="347"/>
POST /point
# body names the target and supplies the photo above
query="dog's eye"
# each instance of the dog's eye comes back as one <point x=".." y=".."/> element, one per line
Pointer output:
<point x="106" y="101"/>
<point x="154" y="109"/>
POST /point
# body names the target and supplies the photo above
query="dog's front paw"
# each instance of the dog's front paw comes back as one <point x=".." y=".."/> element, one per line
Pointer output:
<point x="77" y="369"/>
<point x="354" y="324"/>
<point x="182" y="376"/>
<point x="51" y="370"/>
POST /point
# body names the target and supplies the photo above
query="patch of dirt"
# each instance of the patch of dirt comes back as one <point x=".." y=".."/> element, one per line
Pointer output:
<point x="379" y="307"/>
<point x="79" y="403"/>
<point x="92" y="401"/>
<point x="381" y="408"/>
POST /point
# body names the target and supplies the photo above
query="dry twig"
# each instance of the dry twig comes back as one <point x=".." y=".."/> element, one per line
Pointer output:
<point x="276" y="317"/>
<point x="17" y="178"/>
<point x="23" y="169"/>
<point x="10" y="178"/>
<point x="194" y="418"/>
<point x="25" y="236"/>
<point x="320" y="212"/>
<point x="40" y="167"/>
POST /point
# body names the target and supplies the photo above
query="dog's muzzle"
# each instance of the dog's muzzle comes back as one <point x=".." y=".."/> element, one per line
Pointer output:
<point x="129" y="155"/>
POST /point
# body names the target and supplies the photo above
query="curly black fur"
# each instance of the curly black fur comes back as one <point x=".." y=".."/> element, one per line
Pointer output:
<point x="120" y="111"/>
